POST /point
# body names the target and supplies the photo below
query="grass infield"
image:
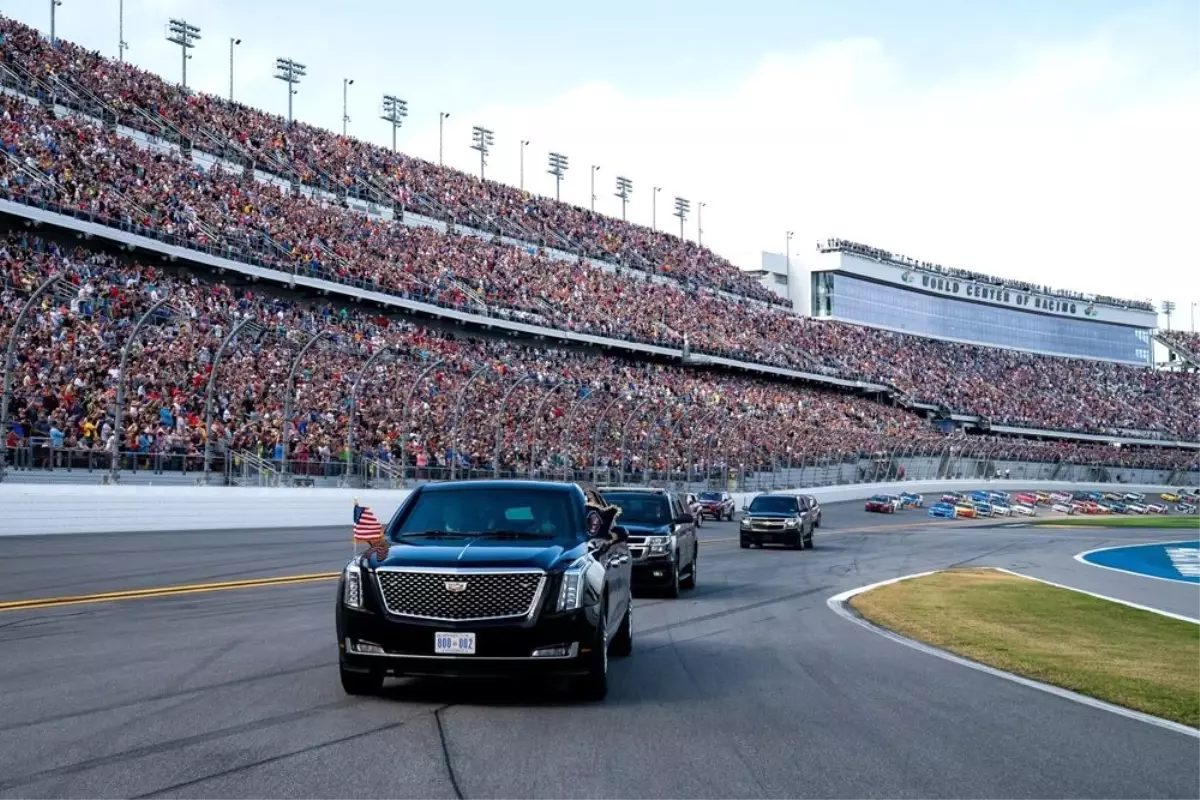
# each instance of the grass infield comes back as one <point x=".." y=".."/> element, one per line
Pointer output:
<point x="1099" y="521"/>
<point x="1112" y="652"/>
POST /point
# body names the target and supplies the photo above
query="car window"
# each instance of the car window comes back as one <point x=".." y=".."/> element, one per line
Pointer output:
<point x="773" y="504"/>
<point x="474" y="510"/>
<point x="641" y="507"/>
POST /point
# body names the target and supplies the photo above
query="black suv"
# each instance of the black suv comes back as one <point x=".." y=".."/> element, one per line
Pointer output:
<point x="777" y="519"/>
<point x="662" y="538"/>
<point x="489" y="578"/>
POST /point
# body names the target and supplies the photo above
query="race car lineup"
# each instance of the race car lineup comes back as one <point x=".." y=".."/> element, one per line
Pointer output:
<point x="983" y="503"/>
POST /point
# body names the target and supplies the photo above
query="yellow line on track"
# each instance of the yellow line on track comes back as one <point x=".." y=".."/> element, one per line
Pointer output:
<point x="163" y="591"/>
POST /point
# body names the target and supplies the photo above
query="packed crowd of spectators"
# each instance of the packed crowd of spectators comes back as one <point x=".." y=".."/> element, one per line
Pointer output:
<point x="317" y="156"/>
<point x="879" y="254"/>
<point x="75" y="165"/>
<point x="1186" y="342"/>
<point x="531" y="406"/>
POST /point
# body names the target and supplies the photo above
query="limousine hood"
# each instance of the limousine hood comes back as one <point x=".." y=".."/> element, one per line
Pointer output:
<point x="476" y="553"/>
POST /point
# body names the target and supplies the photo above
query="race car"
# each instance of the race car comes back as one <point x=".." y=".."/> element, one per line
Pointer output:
<point x="1095" y="497"/>
<point x="1024" y="509"/>
<point x="985" y="509"/>
<point x="880" y="504"/>
<point x="980" y="496"/>
<point x="1113" y="506"/>
<point x="896" y="501"/>
<point x="1043" y="497"/>
<point x="1028" y="498"/>
<point x="1098" y="508"/>
<point x="1061" y="497"/>
<point x="998" y="495"/>
<point x="911" y="500"/>
<point x="1135" y="497"/>
<point x="942" y="511"/>
<point x="953" y="497"/>
<point x="965" y="511"/>
<point x="1136" y="508"/>
<point x="1113" y="496"/>
<point x="1158" y="508"/>
<point x="1065" y="508"/>
<point x="1188" y="508"/>
<point x="1170" y="497"/>
<point x="1000" y="509"/>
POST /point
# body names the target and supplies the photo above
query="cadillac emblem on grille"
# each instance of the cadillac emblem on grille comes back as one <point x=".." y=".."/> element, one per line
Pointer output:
<point x="454" y="596"/>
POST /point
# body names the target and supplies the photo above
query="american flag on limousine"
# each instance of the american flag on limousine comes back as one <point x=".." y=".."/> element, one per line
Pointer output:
<point x="366" y="525"/>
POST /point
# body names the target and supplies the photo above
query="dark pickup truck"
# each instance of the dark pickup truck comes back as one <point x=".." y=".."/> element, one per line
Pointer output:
<point x="489" y="578"/>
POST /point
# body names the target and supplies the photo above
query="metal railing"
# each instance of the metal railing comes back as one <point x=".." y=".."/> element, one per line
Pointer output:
<point x="40" y="460"/>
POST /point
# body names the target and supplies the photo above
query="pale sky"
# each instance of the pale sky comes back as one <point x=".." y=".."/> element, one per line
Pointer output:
<point x="1046" y="141"/>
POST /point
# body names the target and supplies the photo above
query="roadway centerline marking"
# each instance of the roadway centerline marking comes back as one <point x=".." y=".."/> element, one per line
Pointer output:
<point x="163" y="591"/>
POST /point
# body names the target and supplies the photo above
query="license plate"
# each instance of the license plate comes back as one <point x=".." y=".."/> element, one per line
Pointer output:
<point x="454" y="643"/>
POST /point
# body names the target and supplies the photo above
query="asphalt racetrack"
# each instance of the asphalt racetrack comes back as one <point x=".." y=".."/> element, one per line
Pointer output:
<point x="748" y="686"/>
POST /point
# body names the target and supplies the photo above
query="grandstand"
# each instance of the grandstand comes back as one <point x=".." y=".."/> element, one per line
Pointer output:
<point x="286" y="211"/>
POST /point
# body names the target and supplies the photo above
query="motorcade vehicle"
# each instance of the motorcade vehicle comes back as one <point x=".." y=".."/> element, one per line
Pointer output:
<point x="1024" y="509"/>
<point x="814" y="509"/>
<point x="966" y="511"/>
<point x="717" y="506"/>
<point x="777" y="519"/>
<point x="693" y="504"/>
<point x="662" y="538"/>
<point x="485" y="578"/>
<point x="880" y="504"/>
<point x="942" y="511"/>
<point x="911" y="500"/>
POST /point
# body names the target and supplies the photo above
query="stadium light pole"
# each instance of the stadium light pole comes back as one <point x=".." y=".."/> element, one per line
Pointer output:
<point x="442" y="115"/>
<point x="787" y="258"/>
<point x="394" y="111"/>
<point x="181" y="33"/>
<point x="524" y="144"/>
<point x="654" y="208"/>
<point x="595" y="169"/>
<point x="122" y="45"/>
<point x="54" y="4"/>
<point x="346" y="84"/>
<point x="290" y="72"/>
<point x="558" y="165"/>
<point x="624" y="189"/>
<point x="1168" y="308"/>
<point x="1193" y="317"/>
<point x="700" y="223"/>
<point x="232" y="44"/>
<point x="484" y="140"/>
<point x="682" y="207"/>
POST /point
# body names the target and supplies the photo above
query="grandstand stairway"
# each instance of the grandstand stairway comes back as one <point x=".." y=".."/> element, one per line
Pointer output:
<point x="1182" y="353"/>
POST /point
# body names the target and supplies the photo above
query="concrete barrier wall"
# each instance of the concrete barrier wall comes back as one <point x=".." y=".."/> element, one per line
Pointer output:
<point x="33" y="509"/>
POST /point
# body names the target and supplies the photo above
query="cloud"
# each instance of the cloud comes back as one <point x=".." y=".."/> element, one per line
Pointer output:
<point x="1070" y="165"/>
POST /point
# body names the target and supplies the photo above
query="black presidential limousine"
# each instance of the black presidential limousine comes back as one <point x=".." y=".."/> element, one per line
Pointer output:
<point x="483" y="578"/>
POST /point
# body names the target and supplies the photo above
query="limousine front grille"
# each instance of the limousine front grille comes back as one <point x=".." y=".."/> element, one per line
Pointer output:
<point x="460" y="596"/>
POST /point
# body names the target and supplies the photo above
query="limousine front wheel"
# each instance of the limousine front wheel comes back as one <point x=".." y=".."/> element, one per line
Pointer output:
<point x="358" y="682"/>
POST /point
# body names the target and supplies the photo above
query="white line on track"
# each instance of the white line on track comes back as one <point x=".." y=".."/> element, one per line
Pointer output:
<point x="1082" y="559"/>
<point x="1131" y="604"/>
<point x="839" y="604"/>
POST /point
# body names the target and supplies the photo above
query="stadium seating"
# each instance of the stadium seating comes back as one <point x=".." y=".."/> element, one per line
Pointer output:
<point x="80" y="167"/>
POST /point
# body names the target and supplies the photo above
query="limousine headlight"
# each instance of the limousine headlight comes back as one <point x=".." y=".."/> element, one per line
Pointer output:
<point x="570" y="594"/>
<point x="352" y="594"/>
